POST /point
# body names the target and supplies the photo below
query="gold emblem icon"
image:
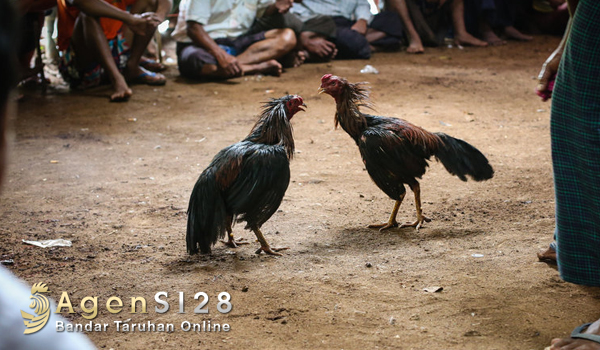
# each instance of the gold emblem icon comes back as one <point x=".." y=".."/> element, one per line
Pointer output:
<point x="42" y="309"/>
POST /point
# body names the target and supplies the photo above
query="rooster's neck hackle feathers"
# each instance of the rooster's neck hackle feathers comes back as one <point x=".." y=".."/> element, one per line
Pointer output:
<point x="348" y="115"/>
<point x="274" y="127"/>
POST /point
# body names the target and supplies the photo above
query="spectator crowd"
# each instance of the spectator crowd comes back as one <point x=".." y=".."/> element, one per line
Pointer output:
<point x="111" y="41"/>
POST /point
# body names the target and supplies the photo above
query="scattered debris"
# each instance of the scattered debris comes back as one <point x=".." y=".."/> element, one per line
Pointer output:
<point x="477" y="255"/>
<point x="369" y="69"/>
<point x="50" y="243"/>
<point x="435" y="289"/>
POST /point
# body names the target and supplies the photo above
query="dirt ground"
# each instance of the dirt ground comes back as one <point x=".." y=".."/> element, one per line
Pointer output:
<point x="115" y="180"/>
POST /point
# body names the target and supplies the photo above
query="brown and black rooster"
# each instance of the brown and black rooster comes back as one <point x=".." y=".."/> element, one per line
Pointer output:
<point x="395" y="152"/>
<point x="245" y="181"/>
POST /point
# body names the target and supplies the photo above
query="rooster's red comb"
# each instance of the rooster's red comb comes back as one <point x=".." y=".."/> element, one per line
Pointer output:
<point x="326" y="77"/>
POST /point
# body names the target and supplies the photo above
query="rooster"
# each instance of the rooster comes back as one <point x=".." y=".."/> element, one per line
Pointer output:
<point x="395" y="152"/>
<point x="245" y="181"/>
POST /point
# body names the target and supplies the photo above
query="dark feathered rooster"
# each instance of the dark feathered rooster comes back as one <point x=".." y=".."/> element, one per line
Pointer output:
<point x="395" y="152"/>
<point x="245" y="181"/>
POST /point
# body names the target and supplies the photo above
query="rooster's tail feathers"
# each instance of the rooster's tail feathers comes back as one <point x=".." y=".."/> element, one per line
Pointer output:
<point x="462" y="159"/>
<point x="207" y="217"/>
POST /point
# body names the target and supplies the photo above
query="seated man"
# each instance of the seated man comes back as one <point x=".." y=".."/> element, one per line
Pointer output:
<point x="213" y="41"/>
<point x="355" y="32"/>
<point x="95" y="47"/>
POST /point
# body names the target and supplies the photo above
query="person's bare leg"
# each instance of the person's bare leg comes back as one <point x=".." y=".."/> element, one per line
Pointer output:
<point x="138" y="43"/>
<point x="414" y="41"/>
<point x="461" y="36"/>
<point x="261" y="56"/>
<point x="90" y="46"/>
<point x="579" y="344"/>
<point x="420" y="23"/>
<point x="374" y="35"/>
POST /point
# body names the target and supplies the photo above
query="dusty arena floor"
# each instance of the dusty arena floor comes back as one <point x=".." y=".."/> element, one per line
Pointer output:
<point x="115" y="180"/>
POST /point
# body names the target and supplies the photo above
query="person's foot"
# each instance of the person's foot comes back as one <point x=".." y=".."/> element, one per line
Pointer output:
<point x="122" y="92"/>
<point x="299" y="58"/>
<point x="491" y="38"/>
<point x="415" y="47"/>
<point x="271" y="67"/>
<point x="549" y="256"/>
<point x="152" y="65"/>
<point x="294" y="59"/>
<point x="144" y="76"/>
<point x="512" y="33"/>
<point x="580" y="344"/>
<point x="468" y="40"/>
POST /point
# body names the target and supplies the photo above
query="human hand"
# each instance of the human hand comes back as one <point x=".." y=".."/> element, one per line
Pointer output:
<point x="229" y="64"/>
<point x="320" y="47"/>
<point x="360" y="26"/>
<point x="141" y="23"/>
<point x="547" y="75"/>
<point x="283" y="6"/>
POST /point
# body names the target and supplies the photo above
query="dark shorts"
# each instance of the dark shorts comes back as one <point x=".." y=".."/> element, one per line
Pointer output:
<point x="192" y="58"/>
<point x="320" y="24"/>
<point x="353" y="45"/>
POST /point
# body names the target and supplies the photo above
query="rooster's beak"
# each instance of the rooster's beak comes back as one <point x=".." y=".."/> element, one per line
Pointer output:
<point x="321" y="90"/>
<point x="303" y="105"/>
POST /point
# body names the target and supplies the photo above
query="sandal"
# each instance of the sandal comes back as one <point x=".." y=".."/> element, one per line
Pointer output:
<point x="149" y="78"/>
<point x="152" y="65"/>
<point x="577" y="334"/>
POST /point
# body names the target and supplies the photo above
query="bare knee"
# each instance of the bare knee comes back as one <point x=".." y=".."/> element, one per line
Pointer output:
<point x="288" y="38"/>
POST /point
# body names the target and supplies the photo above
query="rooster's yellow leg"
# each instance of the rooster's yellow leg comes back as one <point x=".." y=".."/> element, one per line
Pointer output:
<point x="392" y="221"/>
<point x="231" y="242"/>
<point x="420" y="217"/>
<point x="264" y="246"/>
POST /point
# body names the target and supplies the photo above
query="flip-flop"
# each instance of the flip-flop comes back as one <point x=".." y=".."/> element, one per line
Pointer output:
<point x="149" y="78"/>
<point x="577" y="334"/>
<point x="153" y="66"/>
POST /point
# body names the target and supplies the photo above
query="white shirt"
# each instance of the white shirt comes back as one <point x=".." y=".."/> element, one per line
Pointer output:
<point x="350" y="9"/>
<point x="220" y="18"/>
<point x="14" y="298"/>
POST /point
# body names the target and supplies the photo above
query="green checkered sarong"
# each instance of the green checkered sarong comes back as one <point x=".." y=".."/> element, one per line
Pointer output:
<point x="575" y="132"/>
